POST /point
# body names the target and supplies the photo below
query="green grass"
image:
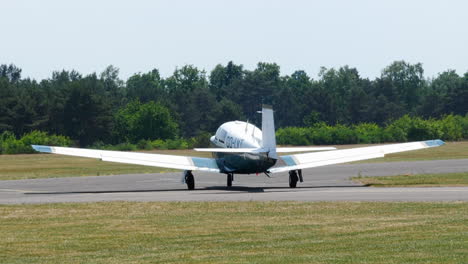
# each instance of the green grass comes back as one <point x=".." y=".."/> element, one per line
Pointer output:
<point x="235" y="232"/>
<point x="14" y="167"/>
<point x="418" y="180"/>
<point x="33" y="166"/>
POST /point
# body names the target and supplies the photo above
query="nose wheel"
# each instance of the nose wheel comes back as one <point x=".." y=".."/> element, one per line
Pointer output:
<point x="230" y="178"/>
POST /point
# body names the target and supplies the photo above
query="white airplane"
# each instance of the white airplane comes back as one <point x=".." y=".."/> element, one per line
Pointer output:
<point x="242" y="148"/>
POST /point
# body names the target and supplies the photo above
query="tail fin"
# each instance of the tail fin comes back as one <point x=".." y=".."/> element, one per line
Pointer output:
<point x="268" y="131"/>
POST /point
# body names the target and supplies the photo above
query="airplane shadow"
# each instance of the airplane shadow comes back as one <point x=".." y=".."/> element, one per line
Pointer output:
<point x="282" y="189"/>
<point x="211" y="188"/>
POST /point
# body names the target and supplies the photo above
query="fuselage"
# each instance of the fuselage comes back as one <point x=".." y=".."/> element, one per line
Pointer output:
<point x="238" y="134"/>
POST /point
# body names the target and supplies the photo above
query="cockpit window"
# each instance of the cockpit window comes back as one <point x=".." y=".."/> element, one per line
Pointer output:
<point x="221" y="134"/>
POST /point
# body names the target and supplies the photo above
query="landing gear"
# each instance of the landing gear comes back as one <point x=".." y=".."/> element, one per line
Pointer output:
<point x="293" y="179"/>
<point x="294" y="176"/>
<point x="189" y="180"/>
<point x="230" y="178"/>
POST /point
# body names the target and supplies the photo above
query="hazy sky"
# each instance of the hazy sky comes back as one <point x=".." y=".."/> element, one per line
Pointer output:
<point x="137" y="36"/>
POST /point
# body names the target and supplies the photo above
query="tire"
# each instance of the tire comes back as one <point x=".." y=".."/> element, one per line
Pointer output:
<point x="190" y="181"/>
<point x="229" y="180"/>
<point x="292" y="179"/>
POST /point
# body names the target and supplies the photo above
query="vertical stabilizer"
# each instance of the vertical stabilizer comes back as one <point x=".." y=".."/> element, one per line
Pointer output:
<point x="268" y="131"/>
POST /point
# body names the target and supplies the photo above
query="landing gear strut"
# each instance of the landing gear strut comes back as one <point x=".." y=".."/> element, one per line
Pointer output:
<point x="230" y="178"/>
<point x="189" y="180"/>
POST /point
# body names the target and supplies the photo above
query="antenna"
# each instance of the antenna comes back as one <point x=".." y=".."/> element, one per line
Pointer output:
<point x="253" y="131"/>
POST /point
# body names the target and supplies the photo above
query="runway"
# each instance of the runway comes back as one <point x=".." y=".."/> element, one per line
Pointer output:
<point x="330" y="183"/>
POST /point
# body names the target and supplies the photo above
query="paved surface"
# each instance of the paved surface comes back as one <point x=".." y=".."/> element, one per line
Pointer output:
<point x="329" y="183"/>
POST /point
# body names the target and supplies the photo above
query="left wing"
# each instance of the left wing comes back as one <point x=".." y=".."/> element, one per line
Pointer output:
<point x="148" y="159"/>
<point x="317" y="159"/>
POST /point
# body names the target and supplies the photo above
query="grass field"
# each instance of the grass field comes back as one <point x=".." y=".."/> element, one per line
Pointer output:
<point x="34" y="166"/>
<point x="46" y="165"/>
<point x="235" y="232"/>
<point x="418" y="180"/>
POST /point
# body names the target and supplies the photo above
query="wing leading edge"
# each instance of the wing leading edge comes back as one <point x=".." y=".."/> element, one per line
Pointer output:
<point x="147" y="159"/>
<point x="310" y="160"/>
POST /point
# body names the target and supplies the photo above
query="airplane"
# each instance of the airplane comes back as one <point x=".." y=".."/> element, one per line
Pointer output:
<point x="242" y="148"/>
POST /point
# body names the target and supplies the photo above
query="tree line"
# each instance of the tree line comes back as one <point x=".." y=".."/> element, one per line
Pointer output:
<point x="406" y="128"/>
<point x="103" y="109"/>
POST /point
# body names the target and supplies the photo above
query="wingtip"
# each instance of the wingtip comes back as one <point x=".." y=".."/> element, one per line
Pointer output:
<point x="434" y="143"/>
<point x="41" y="148"/>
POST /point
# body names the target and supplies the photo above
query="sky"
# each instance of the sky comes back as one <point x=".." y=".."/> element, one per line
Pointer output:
<point x="137" y="36"/>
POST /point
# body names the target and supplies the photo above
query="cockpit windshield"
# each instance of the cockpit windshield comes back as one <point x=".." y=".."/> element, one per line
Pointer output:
<point x="221" y="134"/>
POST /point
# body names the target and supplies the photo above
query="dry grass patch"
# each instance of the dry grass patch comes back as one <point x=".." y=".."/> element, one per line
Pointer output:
<point x="235" y="232"/>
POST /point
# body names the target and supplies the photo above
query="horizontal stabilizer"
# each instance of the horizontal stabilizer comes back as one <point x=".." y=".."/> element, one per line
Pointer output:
<point x="261" y="150"/>
<point x="231" y="150"/>
<point x="303" y="149"/>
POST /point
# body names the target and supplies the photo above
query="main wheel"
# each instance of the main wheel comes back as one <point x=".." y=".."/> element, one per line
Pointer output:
<point x="189" y="180"/>
<point x="293" y="179"/>
<point x="229" y="179"/>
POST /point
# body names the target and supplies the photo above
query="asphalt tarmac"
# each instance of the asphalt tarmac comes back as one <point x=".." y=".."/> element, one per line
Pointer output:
<point x="329" y="183"/>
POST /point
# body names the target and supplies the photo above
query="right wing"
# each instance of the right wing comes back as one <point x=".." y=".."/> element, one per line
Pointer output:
<point x="317" y="159"/>
<point x="147" y="159"/>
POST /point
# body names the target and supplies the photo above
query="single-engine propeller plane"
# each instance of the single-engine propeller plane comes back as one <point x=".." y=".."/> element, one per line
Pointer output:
<point x="242" y="148"/>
